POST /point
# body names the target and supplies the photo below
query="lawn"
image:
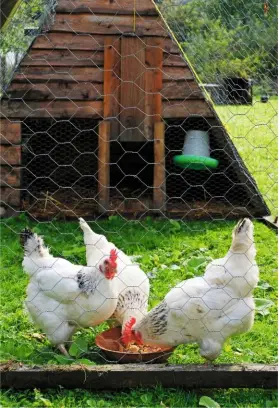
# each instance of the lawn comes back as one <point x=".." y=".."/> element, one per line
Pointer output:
<point x="253" y="130"/>
<point x="169" y="251"/>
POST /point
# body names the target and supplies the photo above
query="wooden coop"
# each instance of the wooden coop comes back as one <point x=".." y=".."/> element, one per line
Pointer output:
<point x="96" y="111"/>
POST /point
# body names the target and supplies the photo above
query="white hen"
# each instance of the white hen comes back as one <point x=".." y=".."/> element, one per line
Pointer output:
<point x="133" y="284"/>
<point x="61" y="296"/>
<point x="209" y="309"/>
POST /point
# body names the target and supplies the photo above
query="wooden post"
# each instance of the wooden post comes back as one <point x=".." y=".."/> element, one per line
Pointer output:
<point x="104" y="166"/>
<point x="132" y="90"/>
<point x="112" y="83"/>
<point x="10" y="160"/>
<point x="153" y="84"/>
<point x="159" y="195"/>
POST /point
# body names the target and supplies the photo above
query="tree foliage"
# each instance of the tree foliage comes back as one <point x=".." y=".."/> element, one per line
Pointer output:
<point x="227" y="38"/>
<point x="14" y="40"/>
<point x="220" y="37"/>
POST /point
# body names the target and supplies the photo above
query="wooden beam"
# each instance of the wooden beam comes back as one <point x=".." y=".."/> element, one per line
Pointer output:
<point x="190" y="89"/>
<point x="132" y="89"/>
<point x="72" y="41"/>
<point x="10" y="154"/>
<point x="60" y="58"/>
<point x="116" y="376"/>
<point x="87" y="58"/>
<point x="9" y="176"/>
<point x="56" y="109"/>
<point x="10" y="196"/>
<point x="110" y="24"/>
<point x="143" y="7"/>
<point x="69" y="41"/>
<point x="104" y="166"/>
<point x="184" y="109"/>
<point x="177" y="74"/>
<point x="112" y="72"/>
<point x="159" y="193"/>
<point x="153" y="85"/>
<point x="64" y="74"/>
<point x="174" y="60"/>
<point x="86" y="74"/>
<point x="10" y="132"/>
<point x="55" y="90"/>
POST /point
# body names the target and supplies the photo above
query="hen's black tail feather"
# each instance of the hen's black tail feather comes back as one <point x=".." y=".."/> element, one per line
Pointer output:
<point x="25" y="235"/>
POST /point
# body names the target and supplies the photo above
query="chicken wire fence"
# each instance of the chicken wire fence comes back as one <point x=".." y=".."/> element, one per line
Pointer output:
<point x="68" y="67"/>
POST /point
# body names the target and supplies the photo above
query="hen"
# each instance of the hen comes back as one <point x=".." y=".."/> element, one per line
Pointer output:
<point x="61" y="296"/>
<point x="209" y="309"/>
<point x="133" y="284"/>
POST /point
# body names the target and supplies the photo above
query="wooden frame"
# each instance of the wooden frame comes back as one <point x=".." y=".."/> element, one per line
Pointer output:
<point x="103" y="163"/>
<point x="76" y="69"/>
<point x="159" y="181"/>
<point x="135" y="375"/>
<point x="10" y="160"/>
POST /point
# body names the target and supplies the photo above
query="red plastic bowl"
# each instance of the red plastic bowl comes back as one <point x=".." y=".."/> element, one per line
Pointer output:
<point x="110" y="341"/>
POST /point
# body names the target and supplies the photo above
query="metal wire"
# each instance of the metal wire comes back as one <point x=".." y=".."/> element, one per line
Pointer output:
<point x="57" y="178"/>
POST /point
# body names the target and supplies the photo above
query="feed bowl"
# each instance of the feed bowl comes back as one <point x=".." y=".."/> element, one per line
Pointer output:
<point x="110" y="343"/>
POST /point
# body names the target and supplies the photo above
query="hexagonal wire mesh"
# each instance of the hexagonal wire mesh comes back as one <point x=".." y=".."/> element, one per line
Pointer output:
<point x="95" y="107"/>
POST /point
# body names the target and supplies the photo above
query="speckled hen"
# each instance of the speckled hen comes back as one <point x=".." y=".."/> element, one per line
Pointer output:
<point x="208" y="309"/>
<point x="62" y="297"/>
<point x="133" y="284"/>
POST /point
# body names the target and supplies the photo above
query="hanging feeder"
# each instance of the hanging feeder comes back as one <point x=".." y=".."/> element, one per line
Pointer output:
<point x="196" y="152"/>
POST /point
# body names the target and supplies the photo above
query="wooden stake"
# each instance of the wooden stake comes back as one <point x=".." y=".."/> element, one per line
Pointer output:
<point x="112" y="83"/>
<point x="153" y="84"/>
<point x="159" y="195"/>
<point x="104" y="171"/>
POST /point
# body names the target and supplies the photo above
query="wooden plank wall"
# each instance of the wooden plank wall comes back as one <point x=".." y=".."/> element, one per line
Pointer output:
<point x="77" y="70"/>
<point x="132" y="97"/>
<point x="63" y="73"/>
<point x="10" y="160"/>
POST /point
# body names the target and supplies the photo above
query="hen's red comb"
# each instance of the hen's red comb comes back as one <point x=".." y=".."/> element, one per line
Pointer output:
<point x="113" y="256"/>
<point x="127" y="332"/>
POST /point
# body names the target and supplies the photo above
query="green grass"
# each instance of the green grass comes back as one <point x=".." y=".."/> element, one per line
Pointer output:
<point x="165" y="249"/>
<point x="253" y="130"/>
<point x="157" y="397"/>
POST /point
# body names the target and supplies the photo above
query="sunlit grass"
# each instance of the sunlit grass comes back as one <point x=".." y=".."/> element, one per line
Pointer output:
<point x="163" y="247"/>
<point x="253" y="130"/>
<point x="159" y="243"/>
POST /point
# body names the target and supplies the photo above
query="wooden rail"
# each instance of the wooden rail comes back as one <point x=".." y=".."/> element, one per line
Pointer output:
<point x="135" y="375"/>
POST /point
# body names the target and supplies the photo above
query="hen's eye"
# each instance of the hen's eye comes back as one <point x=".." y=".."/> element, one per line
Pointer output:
<point x="106" y="262"/>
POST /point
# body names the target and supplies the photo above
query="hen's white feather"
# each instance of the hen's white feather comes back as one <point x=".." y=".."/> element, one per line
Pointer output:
<point x="62" y="296"/>
<point x="133" y="284"/>
<point x="211" y="308"/>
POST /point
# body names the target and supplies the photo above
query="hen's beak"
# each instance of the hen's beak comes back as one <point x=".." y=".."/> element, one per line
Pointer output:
<point x="138" y="337"/>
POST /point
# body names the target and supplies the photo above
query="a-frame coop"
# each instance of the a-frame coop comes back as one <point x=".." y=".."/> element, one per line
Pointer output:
<point x="95" y="113"/>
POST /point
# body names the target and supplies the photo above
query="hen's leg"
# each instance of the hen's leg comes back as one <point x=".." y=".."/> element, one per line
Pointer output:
<point x="210" y="349"/>
<point x="63" y="350"/>
<point x="62" y="335"/>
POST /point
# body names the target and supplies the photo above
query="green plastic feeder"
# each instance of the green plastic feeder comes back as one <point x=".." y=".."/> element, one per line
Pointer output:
<point x="195" y="162"/>
<point x="196" y="152"/>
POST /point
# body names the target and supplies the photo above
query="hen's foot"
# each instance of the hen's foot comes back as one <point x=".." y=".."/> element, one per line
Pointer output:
<point x="63" y="350"/>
